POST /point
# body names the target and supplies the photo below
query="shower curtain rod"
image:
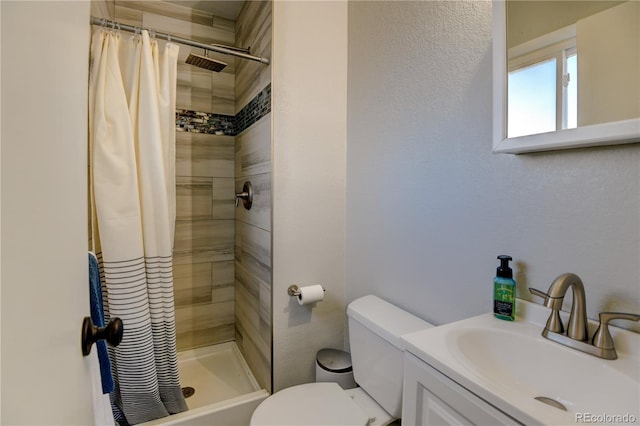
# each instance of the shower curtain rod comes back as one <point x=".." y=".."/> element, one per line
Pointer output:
<point x="186" y="41"/>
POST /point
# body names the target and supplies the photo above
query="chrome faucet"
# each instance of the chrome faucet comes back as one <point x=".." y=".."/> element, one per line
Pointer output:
<point x="577" y="334"/>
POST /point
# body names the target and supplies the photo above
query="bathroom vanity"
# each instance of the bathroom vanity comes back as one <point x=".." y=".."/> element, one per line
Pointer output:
<point x="430" y="397"/>
<point x="486" y="371"/>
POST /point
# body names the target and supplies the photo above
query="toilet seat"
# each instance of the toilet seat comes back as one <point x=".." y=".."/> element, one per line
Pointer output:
<point x="322" y="404"/>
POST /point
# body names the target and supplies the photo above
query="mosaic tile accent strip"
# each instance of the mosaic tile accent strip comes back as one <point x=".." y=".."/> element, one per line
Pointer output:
<point x="257" y="108"/>
<point x="229" y="125"/>
<point x="204" y="122"/>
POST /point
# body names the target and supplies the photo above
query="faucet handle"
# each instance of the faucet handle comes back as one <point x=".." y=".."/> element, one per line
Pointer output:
<point x="554" y="323"/>
<point x="539" y="293"/>
<point x="602" y="338"/>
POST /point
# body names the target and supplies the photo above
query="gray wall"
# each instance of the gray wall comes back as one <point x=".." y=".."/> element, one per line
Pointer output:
<point x="309" y="74"/>
<point x="429" y="207"/>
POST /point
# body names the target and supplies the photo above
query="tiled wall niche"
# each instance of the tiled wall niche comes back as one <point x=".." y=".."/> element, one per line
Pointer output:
<point x="222" y="255"/>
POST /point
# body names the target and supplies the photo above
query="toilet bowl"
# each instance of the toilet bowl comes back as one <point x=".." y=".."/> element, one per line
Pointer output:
<point x="375" y="331"/>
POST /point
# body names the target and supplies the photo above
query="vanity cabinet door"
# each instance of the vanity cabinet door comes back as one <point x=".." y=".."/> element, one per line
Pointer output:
<point x="431" y="398"/>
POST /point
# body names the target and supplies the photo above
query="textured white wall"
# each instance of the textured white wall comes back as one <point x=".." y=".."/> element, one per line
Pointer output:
<point x="429" y="207"/>
<point x="309" y="88"/>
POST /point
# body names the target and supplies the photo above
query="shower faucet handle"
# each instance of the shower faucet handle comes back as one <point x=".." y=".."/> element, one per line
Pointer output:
<point x="246" y="195"/>
<point x="240" y="195"/>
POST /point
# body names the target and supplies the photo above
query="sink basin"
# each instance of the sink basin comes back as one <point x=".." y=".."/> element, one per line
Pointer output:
<point x="552" y="371"/>
<point x="509" y="365"/>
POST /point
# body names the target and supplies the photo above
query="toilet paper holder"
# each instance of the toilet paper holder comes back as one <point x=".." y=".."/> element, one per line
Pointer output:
<point x="294" y="290"/>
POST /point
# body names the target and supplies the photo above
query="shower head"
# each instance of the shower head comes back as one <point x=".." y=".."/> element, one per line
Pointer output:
<point x="205" y="62"/>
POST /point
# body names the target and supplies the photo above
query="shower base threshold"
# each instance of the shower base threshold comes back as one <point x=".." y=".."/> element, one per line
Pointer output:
<point x="226" y="392"/>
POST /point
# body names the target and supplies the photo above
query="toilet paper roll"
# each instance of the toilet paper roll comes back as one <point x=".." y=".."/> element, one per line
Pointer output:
<point x="310" y="294"/>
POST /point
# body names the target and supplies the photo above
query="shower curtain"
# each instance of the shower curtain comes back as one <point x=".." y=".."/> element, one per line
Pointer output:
<point x="132" y="161"/>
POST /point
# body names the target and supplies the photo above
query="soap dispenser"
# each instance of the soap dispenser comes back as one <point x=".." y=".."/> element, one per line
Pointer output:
<point x="504" y="291"/>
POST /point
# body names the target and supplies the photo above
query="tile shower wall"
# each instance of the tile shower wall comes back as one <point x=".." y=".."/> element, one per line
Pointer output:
<point x="203" y="251"/>
<point x="253" y="162"/>
<point x="103" y="9"/>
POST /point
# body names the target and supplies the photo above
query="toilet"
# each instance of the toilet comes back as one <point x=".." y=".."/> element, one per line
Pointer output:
<point x="375" y="330"/>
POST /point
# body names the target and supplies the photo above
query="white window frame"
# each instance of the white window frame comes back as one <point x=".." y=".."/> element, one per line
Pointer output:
<point x="559" y="45"/>
<point x="604" y="134"/>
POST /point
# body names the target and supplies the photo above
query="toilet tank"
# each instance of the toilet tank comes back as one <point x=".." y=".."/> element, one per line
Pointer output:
<point x="375" y="327"/>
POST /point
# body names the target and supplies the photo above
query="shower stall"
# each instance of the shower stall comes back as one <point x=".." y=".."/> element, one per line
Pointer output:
<point x="222" y="254"/>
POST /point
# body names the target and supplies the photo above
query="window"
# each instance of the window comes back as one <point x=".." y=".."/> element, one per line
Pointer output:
<point x="543" y="85"/>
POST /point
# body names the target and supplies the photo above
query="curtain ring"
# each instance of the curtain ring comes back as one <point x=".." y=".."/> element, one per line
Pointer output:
<point x="103" y="25"/>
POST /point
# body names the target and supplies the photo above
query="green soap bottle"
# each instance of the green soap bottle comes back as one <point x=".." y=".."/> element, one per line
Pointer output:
<point x="504" y="291"/>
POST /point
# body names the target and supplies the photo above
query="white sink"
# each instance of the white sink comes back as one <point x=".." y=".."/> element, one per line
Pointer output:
<point x="509" y="364"/>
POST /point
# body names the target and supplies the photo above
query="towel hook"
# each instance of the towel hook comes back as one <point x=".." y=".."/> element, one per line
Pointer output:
<point x="112" y="333"/>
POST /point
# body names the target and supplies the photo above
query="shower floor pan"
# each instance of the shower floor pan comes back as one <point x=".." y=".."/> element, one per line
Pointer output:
<point x="226" y="392"/>
<point x="216" y="373"/>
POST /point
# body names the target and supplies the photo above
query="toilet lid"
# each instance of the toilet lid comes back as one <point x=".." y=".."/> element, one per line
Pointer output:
<point x="322" y="404"/>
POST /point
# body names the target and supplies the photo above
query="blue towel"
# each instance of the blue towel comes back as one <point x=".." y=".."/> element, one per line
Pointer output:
<point x="97" y="316"/>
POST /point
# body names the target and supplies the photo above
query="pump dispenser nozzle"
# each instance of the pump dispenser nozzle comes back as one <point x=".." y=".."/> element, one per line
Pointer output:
<point x="504" y="270"/>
